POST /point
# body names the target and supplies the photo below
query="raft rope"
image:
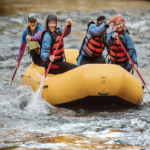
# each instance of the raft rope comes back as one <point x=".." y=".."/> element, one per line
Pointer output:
<point x="31" y="78"/>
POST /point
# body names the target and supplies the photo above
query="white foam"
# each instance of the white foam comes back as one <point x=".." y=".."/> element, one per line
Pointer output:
<point x="19" y="20"/>
<point x="137" y="25"/>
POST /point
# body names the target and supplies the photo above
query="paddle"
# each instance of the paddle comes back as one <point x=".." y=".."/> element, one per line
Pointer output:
<point x="133" y="66"/>
<point x="19" y="62"/>
<point x="39" y="90"/>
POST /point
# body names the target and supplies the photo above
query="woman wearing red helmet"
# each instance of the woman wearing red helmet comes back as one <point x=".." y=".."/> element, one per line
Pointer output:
<point x="117" y="54"/>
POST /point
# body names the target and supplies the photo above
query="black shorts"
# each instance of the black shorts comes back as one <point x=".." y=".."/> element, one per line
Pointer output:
<point x="60" y="67"/>
<point x="90" y="60"/>
<point x="37" y="60"/>
<point x="126" y="65"/>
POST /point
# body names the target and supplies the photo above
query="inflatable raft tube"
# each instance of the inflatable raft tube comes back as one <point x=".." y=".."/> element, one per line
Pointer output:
<point x="91" y="84"/>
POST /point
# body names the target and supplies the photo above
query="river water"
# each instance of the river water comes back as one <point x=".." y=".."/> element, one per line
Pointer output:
<point x="28" y="126"/>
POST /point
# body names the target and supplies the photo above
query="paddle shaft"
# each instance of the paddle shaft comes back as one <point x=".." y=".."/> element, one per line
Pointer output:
<point x="134" y="65"/>
<point x="56" y="50"/>
<point x="19" y="62"/>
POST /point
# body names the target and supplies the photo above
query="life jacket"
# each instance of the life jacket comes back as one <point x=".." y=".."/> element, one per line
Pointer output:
<point x="34" y="48"/>
<point x="32" y="44"/>
<point x="59" y="54"/>
<point x="117" y="54"/>
<point x="95" y="45"/>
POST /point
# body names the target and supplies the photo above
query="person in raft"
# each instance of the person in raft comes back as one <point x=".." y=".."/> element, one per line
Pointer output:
<point x="117" y="54"/>
<point x="32" y="36"/>
<point x="50" y="39"/>
<point x="95" y="41"/>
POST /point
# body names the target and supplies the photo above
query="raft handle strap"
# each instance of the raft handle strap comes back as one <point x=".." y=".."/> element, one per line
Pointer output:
<point x="103" y="93"/>
<point x="46" y="86"/>
<point x="31" y="78"/>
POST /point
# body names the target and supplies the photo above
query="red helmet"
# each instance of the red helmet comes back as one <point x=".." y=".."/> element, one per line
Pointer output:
<point x="119" y="17"/>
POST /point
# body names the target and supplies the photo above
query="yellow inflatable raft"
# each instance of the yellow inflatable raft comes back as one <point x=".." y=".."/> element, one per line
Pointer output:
<point x="91" y="84"/>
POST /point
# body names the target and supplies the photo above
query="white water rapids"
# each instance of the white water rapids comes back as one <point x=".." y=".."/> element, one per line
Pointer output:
<point x="32" y="126"/>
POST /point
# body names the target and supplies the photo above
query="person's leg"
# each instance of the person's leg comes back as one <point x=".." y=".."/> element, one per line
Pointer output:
<point x="79" y="59"/>
<point x="61" y="67"/>
<point x="82" y="60"/>
<point x="126" y="66"/>
<point x="100" y="60"/>
<point x="37" y="60"/>
<point x="110" y="62"/>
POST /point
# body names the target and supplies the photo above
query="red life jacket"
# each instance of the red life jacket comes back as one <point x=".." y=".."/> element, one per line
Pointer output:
<point x="95" y="46"/>
<point x="117" y="54"/>
<point x="60" y="54"/>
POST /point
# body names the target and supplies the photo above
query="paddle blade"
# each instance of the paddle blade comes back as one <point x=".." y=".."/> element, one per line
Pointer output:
<point x="13" y="76"/>
<point x="37" y="94"/>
